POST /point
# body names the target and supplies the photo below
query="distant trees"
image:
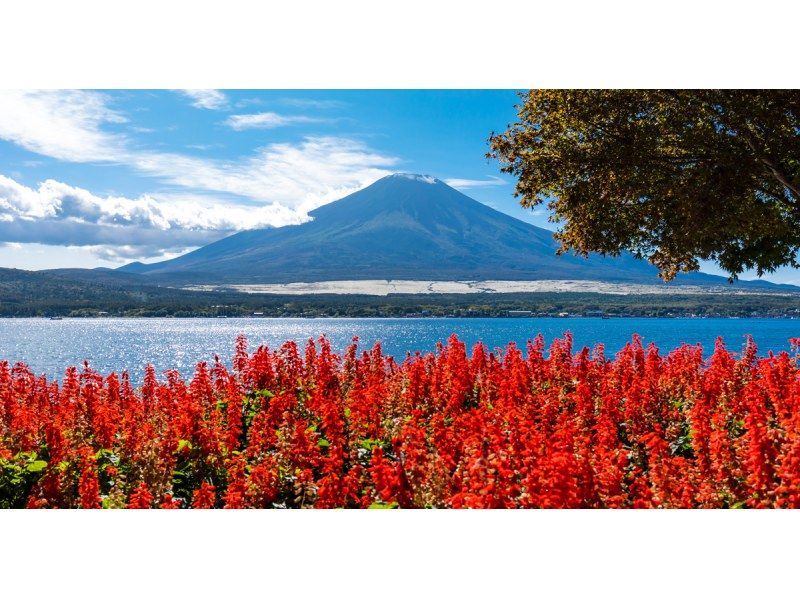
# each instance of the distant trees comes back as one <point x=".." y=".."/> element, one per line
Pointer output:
<point x="673" y="176"/>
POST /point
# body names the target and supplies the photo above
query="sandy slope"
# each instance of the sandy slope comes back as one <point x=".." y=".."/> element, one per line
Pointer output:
<point x="385" y="287"/>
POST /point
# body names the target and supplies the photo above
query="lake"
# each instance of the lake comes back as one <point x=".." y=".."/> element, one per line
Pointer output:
<point x="114" y="344"/>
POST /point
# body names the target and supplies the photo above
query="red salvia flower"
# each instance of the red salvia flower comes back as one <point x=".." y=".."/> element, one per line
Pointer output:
<point x="141" y="498"/>
<point x="485" y="429"/>
<point x="204" y="497"/>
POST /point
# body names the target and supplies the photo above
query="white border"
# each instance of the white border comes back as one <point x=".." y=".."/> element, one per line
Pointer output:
<point x="416" y="43"/>
<point x="403" y="554"/>
<point x="425" y="44"/>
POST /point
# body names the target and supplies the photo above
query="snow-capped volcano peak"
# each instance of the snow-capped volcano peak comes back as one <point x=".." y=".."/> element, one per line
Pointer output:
<point x="420" y="178"/>
<point x="402" y="227"/>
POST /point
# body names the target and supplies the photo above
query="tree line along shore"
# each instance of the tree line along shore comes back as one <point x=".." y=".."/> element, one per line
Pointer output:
<point x="464" y="306"/>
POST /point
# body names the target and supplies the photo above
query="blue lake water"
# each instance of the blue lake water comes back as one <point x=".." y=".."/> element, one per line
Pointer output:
<point x="111" y="344"/>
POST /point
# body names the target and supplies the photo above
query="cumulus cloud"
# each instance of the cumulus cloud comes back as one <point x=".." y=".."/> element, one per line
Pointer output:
<point x="208" y="99"/>
<point x="277" y="184"/>
<point x="55" y="213"/>
<point x="267" y="120"/>
<point x="462" y="184"/>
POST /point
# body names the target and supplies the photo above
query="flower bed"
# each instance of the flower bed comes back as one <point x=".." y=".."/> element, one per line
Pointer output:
<point x="503" y="429"/>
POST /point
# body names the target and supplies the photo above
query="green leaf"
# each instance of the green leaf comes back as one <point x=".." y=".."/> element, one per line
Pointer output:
<point x="369" y="444"/>
<point x="322" y="443"/>
<point x="36" y="466"/>
<point x="384" y="505"/>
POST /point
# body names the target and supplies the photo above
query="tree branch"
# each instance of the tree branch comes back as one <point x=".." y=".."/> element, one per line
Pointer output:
<point x="773" y="168"/>
<point x="793" y="189"/>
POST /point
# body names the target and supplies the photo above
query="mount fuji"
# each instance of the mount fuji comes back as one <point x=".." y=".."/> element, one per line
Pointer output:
<point x="402" y="227"/>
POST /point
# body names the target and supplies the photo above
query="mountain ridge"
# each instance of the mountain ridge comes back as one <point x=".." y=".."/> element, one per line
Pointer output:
<point x="402" y="227"/>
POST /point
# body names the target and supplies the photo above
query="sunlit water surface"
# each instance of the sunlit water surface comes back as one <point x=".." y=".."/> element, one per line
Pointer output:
<point x="111" y="344"/>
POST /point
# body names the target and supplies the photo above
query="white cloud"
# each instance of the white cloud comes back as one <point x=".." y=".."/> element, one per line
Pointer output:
<point x="301" y="175"/>
<point x="58" y="214"/>
<point x="65" y="125"/>
<point x="36" y="256"/>
<point x="118" y="254"/>
<point x="492" y="181"/>
<point x="281" y="182"/>
<point x="420" y="178"/>
<point x="267" y="120"/>
<point x="307" y="103"/>
<point x="208" y="99"/>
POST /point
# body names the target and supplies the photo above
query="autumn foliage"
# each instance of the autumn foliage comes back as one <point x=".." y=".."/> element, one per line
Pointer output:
<point x="502" y="429"/>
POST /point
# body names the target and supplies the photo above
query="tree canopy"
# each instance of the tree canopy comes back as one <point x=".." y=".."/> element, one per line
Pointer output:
<point x="673" y="176"/>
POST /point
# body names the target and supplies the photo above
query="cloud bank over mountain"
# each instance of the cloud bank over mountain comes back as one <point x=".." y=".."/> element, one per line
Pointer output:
<point x="275" y="185"/>
<point x="121" y="227"/>
<point x="186" y="195"/>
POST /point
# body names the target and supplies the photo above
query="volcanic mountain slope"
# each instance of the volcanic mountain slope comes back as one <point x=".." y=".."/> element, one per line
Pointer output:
<point x="403" y="227"/>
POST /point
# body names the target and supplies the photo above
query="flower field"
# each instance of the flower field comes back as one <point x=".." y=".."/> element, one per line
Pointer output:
<point x="553" y="428"/>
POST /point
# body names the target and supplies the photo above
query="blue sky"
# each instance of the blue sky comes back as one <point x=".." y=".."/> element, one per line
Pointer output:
<point x="101" y="178"/>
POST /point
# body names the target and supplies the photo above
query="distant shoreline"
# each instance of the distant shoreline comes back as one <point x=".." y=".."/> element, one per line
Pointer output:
<point x="383" y="288"/>
<point x="57" y="295"/>
<point x="410" y="318"/>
